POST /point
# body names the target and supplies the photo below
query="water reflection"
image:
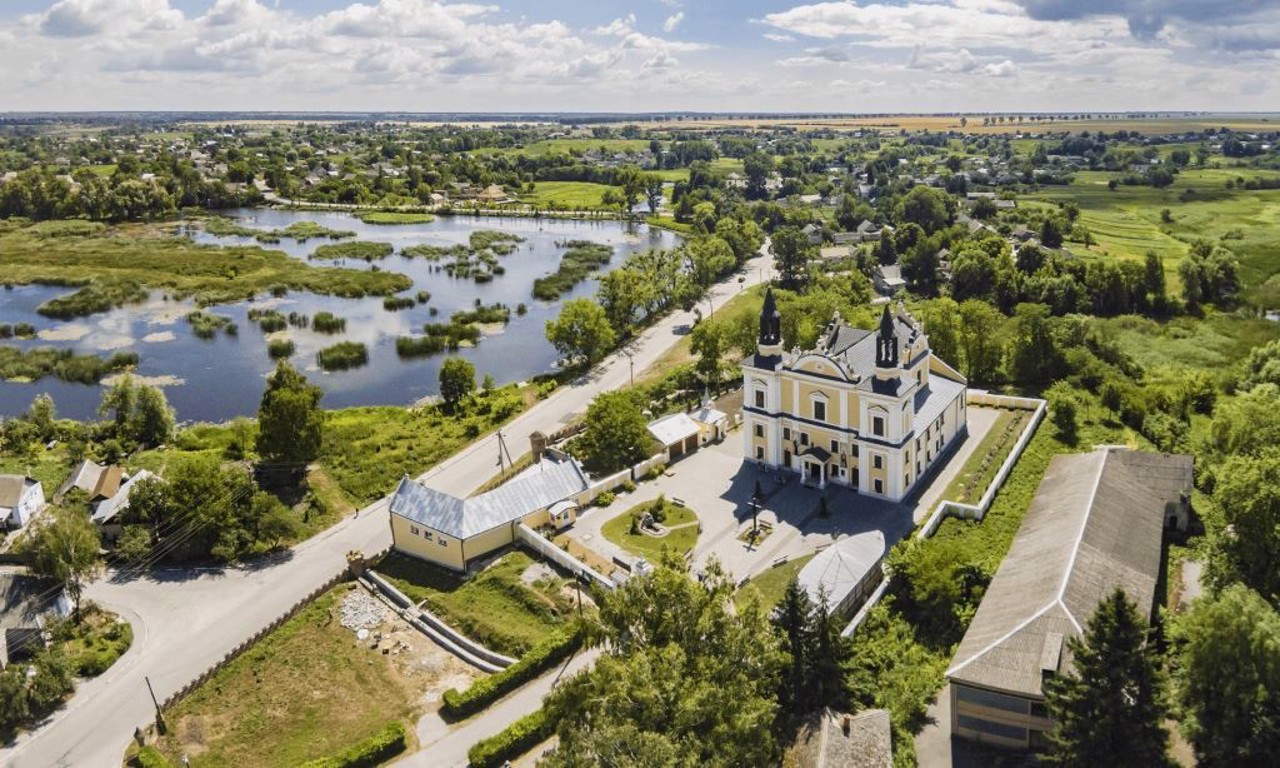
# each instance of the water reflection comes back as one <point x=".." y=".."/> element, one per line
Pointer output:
<point x="222" y="377"/>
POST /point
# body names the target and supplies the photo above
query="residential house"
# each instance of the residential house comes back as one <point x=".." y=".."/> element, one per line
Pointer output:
<point x="1095" y="524"/>
<point x="447" y="530"/>
<point x="872" y="410"/>
<point x="813" y="232"/>
<point x="20" y="498"/>
<point x="888" y="280"/>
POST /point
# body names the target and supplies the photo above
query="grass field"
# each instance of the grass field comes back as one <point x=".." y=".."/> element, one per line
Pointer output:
<point x="394" y="217"/>
<point x="1127" y="222"/>
<point x="566" y="194"/>
<point x="305" y="691"/>
<point x="569" y="146"/>
<point x="726" y="165"/>
<point x="494" y="607"/>
<point x="679" y="541"/>
<point x="49" y="467"/>
<point x="1151" y="126"/>
<point x="769" y="586"/>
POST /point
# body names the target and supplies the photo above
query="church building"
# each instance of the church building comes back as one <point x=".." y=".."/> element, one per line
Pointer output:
<point x="869" y="410"/>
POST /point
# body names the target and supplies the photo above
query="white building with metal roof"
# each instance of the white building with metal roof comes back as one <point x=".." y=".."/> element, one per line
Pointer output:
<point x="442" y="528"/>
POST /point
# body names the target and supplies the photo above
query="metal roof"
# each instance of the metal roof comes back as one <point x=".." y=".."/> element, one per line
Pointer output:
<point x="109" y="508"/>
<point x="12" y="487"/>
<point x="841" y="567"/>
<point x="673" y="429"/>
<point x="1095" y="524"/>
<point x="540" y="486"/>
<point x="933" y="399"/>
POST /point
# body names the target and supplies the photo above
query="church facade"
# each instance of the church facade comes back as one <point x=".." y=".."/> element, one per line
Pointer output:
<point x="871" y="410"/>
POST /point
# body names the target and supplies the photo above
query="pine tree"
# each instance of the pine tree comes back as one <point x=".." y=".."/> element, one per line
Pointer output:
<point x="830" y="652"/>
<point x="794" y="621"/>
<point x="1109" y="712"/>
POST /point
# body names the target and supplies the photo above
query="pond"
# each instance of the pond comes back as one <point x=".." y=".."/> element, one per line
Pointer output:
<point x="223" y="377"/>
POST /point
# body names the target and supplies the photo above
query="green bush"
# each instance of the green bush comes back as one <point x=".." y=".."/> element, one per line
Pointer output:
<point x="513" y="741"/>
<point x="150" y="757"/>
<point x="604" y="499"/>
<point x="355" y="250"/>
<point x="279" y="348"/>
<point x="340" y="357"/>
<point x="375" y="750"/>
<point x="487" y="690"/>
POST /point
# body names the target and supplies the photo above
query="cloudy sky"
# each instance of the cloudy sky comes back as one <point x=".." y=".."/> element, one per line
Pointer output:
<point x="641" y="55"/>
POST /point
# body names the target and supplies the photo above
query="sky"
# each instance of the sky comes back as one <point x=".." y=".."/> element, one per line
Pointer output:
<point x="855" y="56"/>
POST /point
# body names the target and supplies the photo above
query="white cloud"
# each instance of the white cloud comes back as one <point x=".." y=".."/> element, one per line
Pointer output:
<point x="672" y="22"/>
<point x="777" y="38"/>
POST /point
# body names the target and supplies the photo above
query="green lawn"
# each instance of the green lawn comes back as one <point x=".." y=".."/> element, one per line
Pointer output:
<point x="566" y="194"/>
<point x="983" y="464"/>
<point x="679" y="541"/>
<point x="494" y="607"/>
<point x="726" y="165"/>
<point x="49" y="467"/>
<point x="304" y="691"/>
<point x="769" y="586"/>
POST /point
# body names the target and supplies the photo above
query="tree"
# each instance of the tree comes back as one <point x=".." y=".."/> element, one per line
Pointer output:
<point x="1228" y="673"/>
<point x="940" y="587"/>
<point x="979" y="337"/>
<point x="756" y="167"/>
<point x="709" y="258"/>
<point x="1034" y="357"/>
<point x="1154" y="282"/>
<point x="1245" y="543"/>
<point x="744" y="236"/>
<point x="652" y="191"/>
<point x="276" y="522"/>
<point x="290" y="422"/>
<point x="43" y="416"/>
<point x="927" y="207"/>
<point x="623" y="293"/>
<point x="984" y="208"/>
<point x="457" y="380"/>
<point x="617" y="434"/>
<point x="1062" y="409"/>
<point x="1051" y="233"/>
<point x="582" y="332"/>
<point x="1109" y="710"/>
<point x="134" y="544"/>
<point x="66" y="550"/>
<point x="1247" y="424"/>
<point x="792" y="251"/>
<point x="707" y="342"/>
<point x="153" y="421"/>
<point x="793" y="621"/>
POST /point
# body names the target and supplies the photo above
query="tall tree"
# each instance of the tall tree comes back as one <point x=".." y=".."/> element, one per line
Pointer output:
<point x="1245" y="542"/>
<point x="793" y="621"/>
<point x="792" y="251"/>
<point x="707" y="342"/>
<point x="290" y="422"/>
<point x="66" y="550"/>
<point x="980" y="325"/>
<point x="1227" y="679"/>
<point x="617" y="434"/>
<point x="757" y="166"/>
<point x="653" y="191"/>
<point x="581" y="332"/>
<point x="153" y="421"/>
<point x="1110" y="709"/>
<point x="929" y="208"/>
<point x="457" y="380"/>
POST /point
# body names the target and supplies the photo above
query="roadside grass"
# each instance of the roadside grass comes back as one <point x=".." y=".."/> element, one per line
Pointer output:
<point x="367" y="450"/>
<point x="679" y="541"/>
<point x="747" y="302"/>
<point x="669" y="223"/>
<point x="132" y="255"/>
<point x="1126" y="222"/>
<point x="494" y="607"/>
<point x="96" y="643"/>
<point x="394" y="217"/>
<point x="768" y="587"/>
<point x="983" y="464"/>
<point x="304" y="691"/>
<point x="566" y="194"/>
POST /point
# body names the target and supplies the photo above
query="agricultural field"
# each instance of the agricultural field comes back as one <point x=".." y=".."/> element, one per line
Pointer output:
<point x="1126" y="222"/>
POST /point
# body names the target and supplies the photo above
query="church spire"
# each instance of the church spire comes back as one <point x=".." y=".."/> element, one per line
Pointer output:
<point x="887" y="341"/>
<point x="770" y="322"/>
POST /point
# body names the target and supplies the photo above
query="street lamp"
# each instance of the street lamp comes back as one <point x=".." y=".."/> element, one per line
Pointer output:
<point x="632" y="361"/>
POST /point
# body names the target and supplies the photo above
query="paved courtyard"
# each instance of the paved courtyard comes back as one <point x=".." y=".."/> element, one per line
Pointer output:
<point x="717" y="484"/>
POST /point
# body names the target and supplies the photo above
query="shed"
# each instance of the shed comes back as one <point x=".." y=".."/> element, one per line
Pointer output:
<point x="846" y="572"/>
<point x="678" y="434"/>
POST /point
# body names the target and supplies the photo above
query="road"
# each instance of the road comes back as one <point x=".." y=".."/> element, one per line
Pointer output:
<point x="184" y="621"/>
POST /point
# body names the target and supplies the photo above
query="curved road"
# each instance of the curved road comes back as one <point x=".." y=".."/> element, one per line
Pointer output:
<point x="185" y="620"/>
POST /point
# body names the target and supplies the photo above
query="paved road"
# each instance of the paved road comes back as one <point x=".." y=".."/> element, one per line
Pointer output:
<point x="184" y="621"/>
<point x="441" y="745"/>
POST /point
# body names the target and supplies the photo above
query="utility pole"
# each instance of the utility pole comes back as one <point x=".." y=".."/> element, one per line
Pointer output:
<point x="159" y="715"/>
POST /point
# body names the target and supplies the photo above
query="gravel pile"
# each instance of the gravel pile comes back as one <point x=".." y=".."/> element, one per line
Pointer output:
<point x="360" y="610"/>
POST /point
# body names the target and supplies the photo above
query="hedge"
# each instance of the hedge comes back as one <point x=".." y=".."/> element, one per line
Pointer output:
<point x="373" y="751"/>
<point x="513" y="741"/>
<point x="150" y="757"/>
<point x="485" y="691"/>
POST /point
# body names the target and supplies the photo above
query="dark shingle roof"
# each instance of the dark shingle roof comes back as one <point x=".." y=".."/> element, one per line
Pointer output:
<point x="1094" y="525"/>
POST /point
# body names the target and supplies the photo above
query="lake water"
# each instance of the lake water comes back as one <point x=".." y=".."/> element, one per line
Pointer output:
<point x="220" y="378"/>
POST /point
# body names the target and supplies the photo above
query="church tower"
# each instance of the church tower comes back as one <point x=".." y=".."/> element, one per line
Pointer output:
<point x="769" y="344"/>
<point x="886" y="347"/>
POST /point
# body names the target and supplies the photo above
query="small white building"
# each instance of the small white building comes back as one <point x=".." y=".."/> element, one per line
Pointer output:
<point x="20" y="498"/>
<point x="846" y="572"/>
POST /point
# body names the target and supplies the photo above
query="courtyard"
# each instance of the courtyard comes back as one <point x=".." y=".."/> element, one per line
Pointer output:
<point x="718" y="485"/>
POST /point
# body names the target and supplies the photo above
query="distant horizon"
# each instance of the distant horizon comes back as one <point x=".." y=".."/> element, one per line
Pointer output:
<point x="742" y="56"/>
<point x="737" y="113"/>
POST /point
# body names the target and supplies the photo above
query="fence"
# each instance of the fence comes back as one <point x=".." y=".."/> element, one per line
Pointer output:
<point x="234" y="653"/>
<point x="537" y="543"/>
<point x="444" y="635"/>
<point x="607" y="484"/>
<point x="644" y="467"/>
<point x="968" y="511"/>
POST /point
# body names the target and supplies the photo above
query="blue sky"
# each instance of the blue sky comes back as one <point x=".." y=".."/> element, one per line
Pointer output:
<point x="643" y="55"/>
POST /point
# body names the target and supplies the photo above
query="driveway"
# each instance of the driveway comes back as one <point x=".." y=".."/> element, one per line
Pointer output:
<point x="185" y="620"/>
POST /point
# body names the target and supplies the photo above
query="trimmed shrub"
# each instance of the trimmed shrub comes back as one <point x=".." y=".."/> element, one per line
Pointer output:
<point x="487" y="690"/>
<point x="513" y="741"/>
<point x="373" y="751"/>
